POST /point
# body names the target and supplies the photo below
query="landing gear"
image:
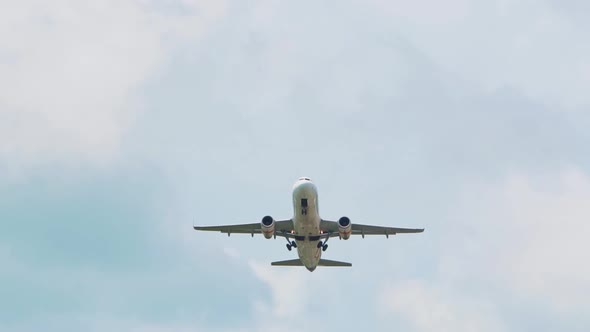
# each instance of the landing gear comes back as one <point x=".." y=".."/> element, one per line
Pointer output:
<point x="291" y="244"/>
<point x="323" y="245"/>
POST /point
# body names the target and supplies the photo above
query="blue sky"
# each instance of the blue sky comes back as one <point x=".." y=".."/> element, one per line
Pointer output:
<point x="123" y="122"/>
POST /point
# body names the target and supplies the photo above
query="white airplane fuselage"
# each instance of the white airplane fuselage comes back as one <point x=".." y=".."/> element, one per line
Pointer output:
<point x="306" y="221"/>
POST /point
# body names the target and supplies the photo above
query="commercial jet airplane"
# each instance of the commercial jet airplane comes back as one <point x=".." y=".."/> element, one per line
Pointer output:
<point x="309" y="231"/>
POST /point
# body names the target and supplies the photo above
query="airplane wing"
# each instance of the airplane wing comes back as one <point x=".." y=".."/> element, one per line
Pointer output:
<point x="282" y="228"/>
<point x="331" y="227"/>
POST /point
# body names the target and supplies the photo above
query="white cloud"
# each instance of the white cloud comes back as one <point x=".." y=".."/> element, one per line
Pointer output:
<point x="520" y="240"/>
<point x="285" y="285"/>
<point x="71" y="72"/>
<point x="295" y="293"/>
<point x="527" y="234"/>
<point x="429" y="308"/>
<point x="544" y="256"/>
<point x="526" y="45"/>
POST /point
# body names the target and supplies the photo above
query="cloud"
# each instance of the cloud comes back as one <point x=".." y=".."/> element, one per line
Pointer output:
<point x="526" y="45"/>
<point x="296" y="293"/>
<point x="510" y="248"/>
<point x="288" y="301"/>
<point x="427" y="308"/>
<point x="543" y="237"/>
<point x="401" y="93"/>
<point x="231" y="252"/>
<point x="72" y="72"/>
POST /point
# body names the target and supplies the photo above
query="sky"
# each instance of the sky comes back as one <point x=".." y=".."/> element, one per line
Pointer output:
<point x="123" y="123"/>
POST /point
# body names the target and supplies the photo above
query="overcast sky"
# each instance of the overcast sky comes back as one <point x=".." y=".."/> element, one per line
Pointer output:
<point x="124" y="122"/>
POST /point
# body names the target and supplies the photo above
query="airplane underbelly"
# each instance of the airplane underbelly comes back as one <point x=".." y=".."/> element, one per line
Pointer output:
<point x="306" y="222"/>
<point x="307" y="249"/>
<point x="309" y="253"/>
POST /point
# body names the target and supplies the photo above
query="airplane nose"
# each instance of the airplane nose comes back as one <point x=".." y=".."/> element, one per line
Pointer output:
<point x="311" y="269"/>
<point x="304" y="186"/>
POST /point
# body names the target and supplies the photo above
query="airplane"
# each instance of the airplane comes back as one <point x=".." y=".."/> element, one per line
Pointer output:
<point x="309" y="231"/>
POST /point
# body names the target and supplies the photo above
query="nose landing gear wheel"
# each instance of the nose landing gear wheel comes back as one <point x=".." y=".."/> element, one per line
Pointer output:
<point x="288" y="247"/>
<point x="293" y="244"/>
<point x="320" y="244"/>
<point x="324" y="247"/>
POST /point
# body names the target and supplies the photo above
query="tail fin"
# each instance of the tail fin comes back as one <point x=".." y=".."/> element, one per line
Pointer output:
<point x="327" y="262"/>
<point x="292" y="262"/>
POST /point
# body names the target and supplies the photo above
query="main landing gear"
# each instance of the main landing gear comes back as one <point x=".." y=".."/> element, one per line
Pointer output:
<point x="323" y="245"/>
<point x="291" y="244"/>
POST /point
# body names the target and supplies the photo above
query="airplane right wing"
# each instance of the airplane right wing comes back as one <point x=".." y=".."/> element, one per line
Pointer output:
<point x="331" y="227"/>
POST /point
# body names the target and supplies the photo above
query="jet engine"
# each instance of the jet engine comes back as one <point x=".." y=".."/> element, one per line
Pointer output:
<point x="344" y="228"/>
<point x="267" y="227"/>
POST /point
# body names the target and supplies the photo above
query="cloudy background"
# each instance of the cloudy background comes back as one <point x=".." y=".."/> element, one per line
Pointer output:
<point x="123" y="122"/>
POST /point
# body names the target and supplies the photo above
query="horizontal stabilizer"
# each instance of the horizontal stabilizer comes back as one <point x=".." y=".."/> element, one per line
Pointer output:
<point x="327" y="262"/>
<point x="292" y="262"/>
<point x="297" y="262"/>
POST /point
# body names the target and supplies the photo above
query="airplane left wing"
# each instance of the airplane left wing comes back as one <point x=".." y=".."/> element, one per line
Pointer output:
<point x="282" y="228"/>
<point x="331" y="227"/>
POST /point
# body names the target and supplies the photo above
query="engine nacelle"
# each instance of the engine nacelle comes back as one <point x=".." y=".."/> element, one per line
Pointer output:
<point x="344" y="228"/>
<point x="268" y="227"/>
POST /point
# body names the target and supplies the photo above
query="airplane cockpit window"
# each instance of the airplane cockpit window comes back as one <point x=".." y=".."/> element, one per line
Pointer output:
<point x="304" y="179"/>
